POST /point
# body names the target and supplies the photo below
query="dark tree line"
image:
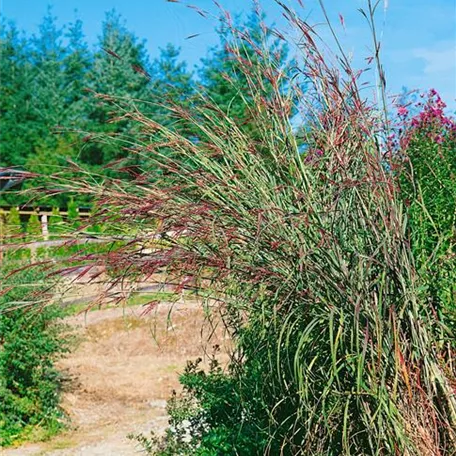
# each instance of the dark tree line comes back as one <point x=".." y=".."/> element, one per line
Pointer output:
<point x="49" y="83"/>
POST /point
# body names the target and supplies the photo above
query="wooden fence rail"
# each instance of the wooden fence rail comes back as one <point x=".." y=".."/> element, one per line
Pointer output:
<point x="43" y="214"/>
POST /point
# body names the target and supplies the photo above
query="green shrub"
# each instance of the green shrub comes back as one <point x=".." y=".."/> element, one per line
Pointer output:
<point x="212" y="416"/>
<point x="31" y="339"/>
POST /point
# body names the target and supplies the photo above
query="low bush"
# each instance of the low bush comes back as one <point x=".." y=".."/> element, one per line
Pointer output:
<point x="213" y="415"/>
<point x="31" y="340"/>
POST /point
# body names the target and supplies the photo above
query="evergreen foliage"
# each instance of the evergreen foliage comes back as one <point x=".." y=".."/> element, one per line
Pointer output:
<point x="49" y="89"/>
<point x="171" y="80"/>
<point x="33" y="228"/>
<point x="116" y="70"/>
<point x="55" y="222"/>
<point x="224" y="73"/>
<point x="73" y="214"/>
<point x="13" y="227"/>
<point x="77" y="63"/>
<point x="16" y="114"/>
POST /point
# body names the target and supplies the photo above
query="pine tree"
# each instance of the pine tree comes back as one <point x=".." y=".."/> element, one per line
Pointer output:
<point x="221" y="76"/>
<point x="13" y="229"/>
<point x="117" y="71"/>
<point x="171" y="80"/>
<point x="16" y="115"/>
<point x="33" y="228"/>
<point x="49" y="95"/>
<point x="76" y="66"/>
<point x="171" y="84"/>
<point x="59" y="77"/>
<point x="56" y="225"/>
<point x="73" y="214"/>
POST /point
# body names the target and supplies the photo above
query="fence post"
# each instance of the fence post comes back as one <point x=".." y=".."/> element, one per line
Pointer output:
<point x="44" y="226"/>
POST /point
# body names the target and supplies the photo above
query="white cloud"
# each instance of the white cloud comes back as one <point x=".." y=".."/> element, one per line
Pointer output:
<point x="440" y="58"/>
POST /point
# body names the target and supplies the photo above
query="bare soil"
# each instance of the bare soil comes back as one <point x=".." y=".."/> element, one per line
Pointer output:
<point x="121" y="373"/>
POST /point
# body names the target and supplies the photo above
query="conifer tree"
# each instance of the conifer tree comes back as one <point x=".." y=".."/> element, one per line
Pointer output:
<point x="49" y="95"/>
<point x="56" y="225"/>
<point x="171" y="80"/>
<point x="118" y="70"/>
<point x="73" y="214"/>
<point x="221" y="76"/>
<point x="76" y="66"/>
<point x="33" y="228"/>
<point x="16" y="116"/>
<point x="13" y="229"/>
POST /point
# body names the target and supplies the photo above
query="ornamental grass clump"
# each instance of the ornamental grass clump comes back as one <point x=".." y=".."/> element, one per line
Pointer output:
<point x="299" y="234"/>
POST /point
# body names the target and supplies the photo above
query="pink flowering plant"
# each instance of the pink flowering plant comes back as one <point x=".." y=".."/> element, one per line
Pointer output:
<point x="428" y="183"/>
<point x="431" y="120"/>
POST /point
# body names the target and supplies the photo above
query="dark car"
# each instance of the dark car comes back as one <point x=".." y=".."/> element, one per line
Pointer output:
<point x="10" y="177"/>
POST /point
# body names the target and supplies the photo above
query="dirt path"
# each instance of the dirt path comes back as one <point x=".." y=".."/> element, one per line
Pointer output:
<point x="122" y="373"/>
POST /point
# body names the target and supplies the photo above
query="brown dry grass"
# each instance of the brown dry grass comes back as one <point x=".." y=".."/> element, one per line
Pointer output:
<point x="127" y="356"/>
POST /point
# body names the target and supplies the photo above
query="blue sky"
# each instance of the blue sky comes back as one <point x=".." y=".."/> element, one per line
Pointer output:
<point x="419" y="36"/>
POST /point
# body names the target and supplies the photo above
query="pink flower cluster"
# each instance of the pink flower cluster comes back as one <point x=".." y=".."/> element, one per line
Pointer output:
<point x="432" y="113"/>
<point x="430" y="121"/>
